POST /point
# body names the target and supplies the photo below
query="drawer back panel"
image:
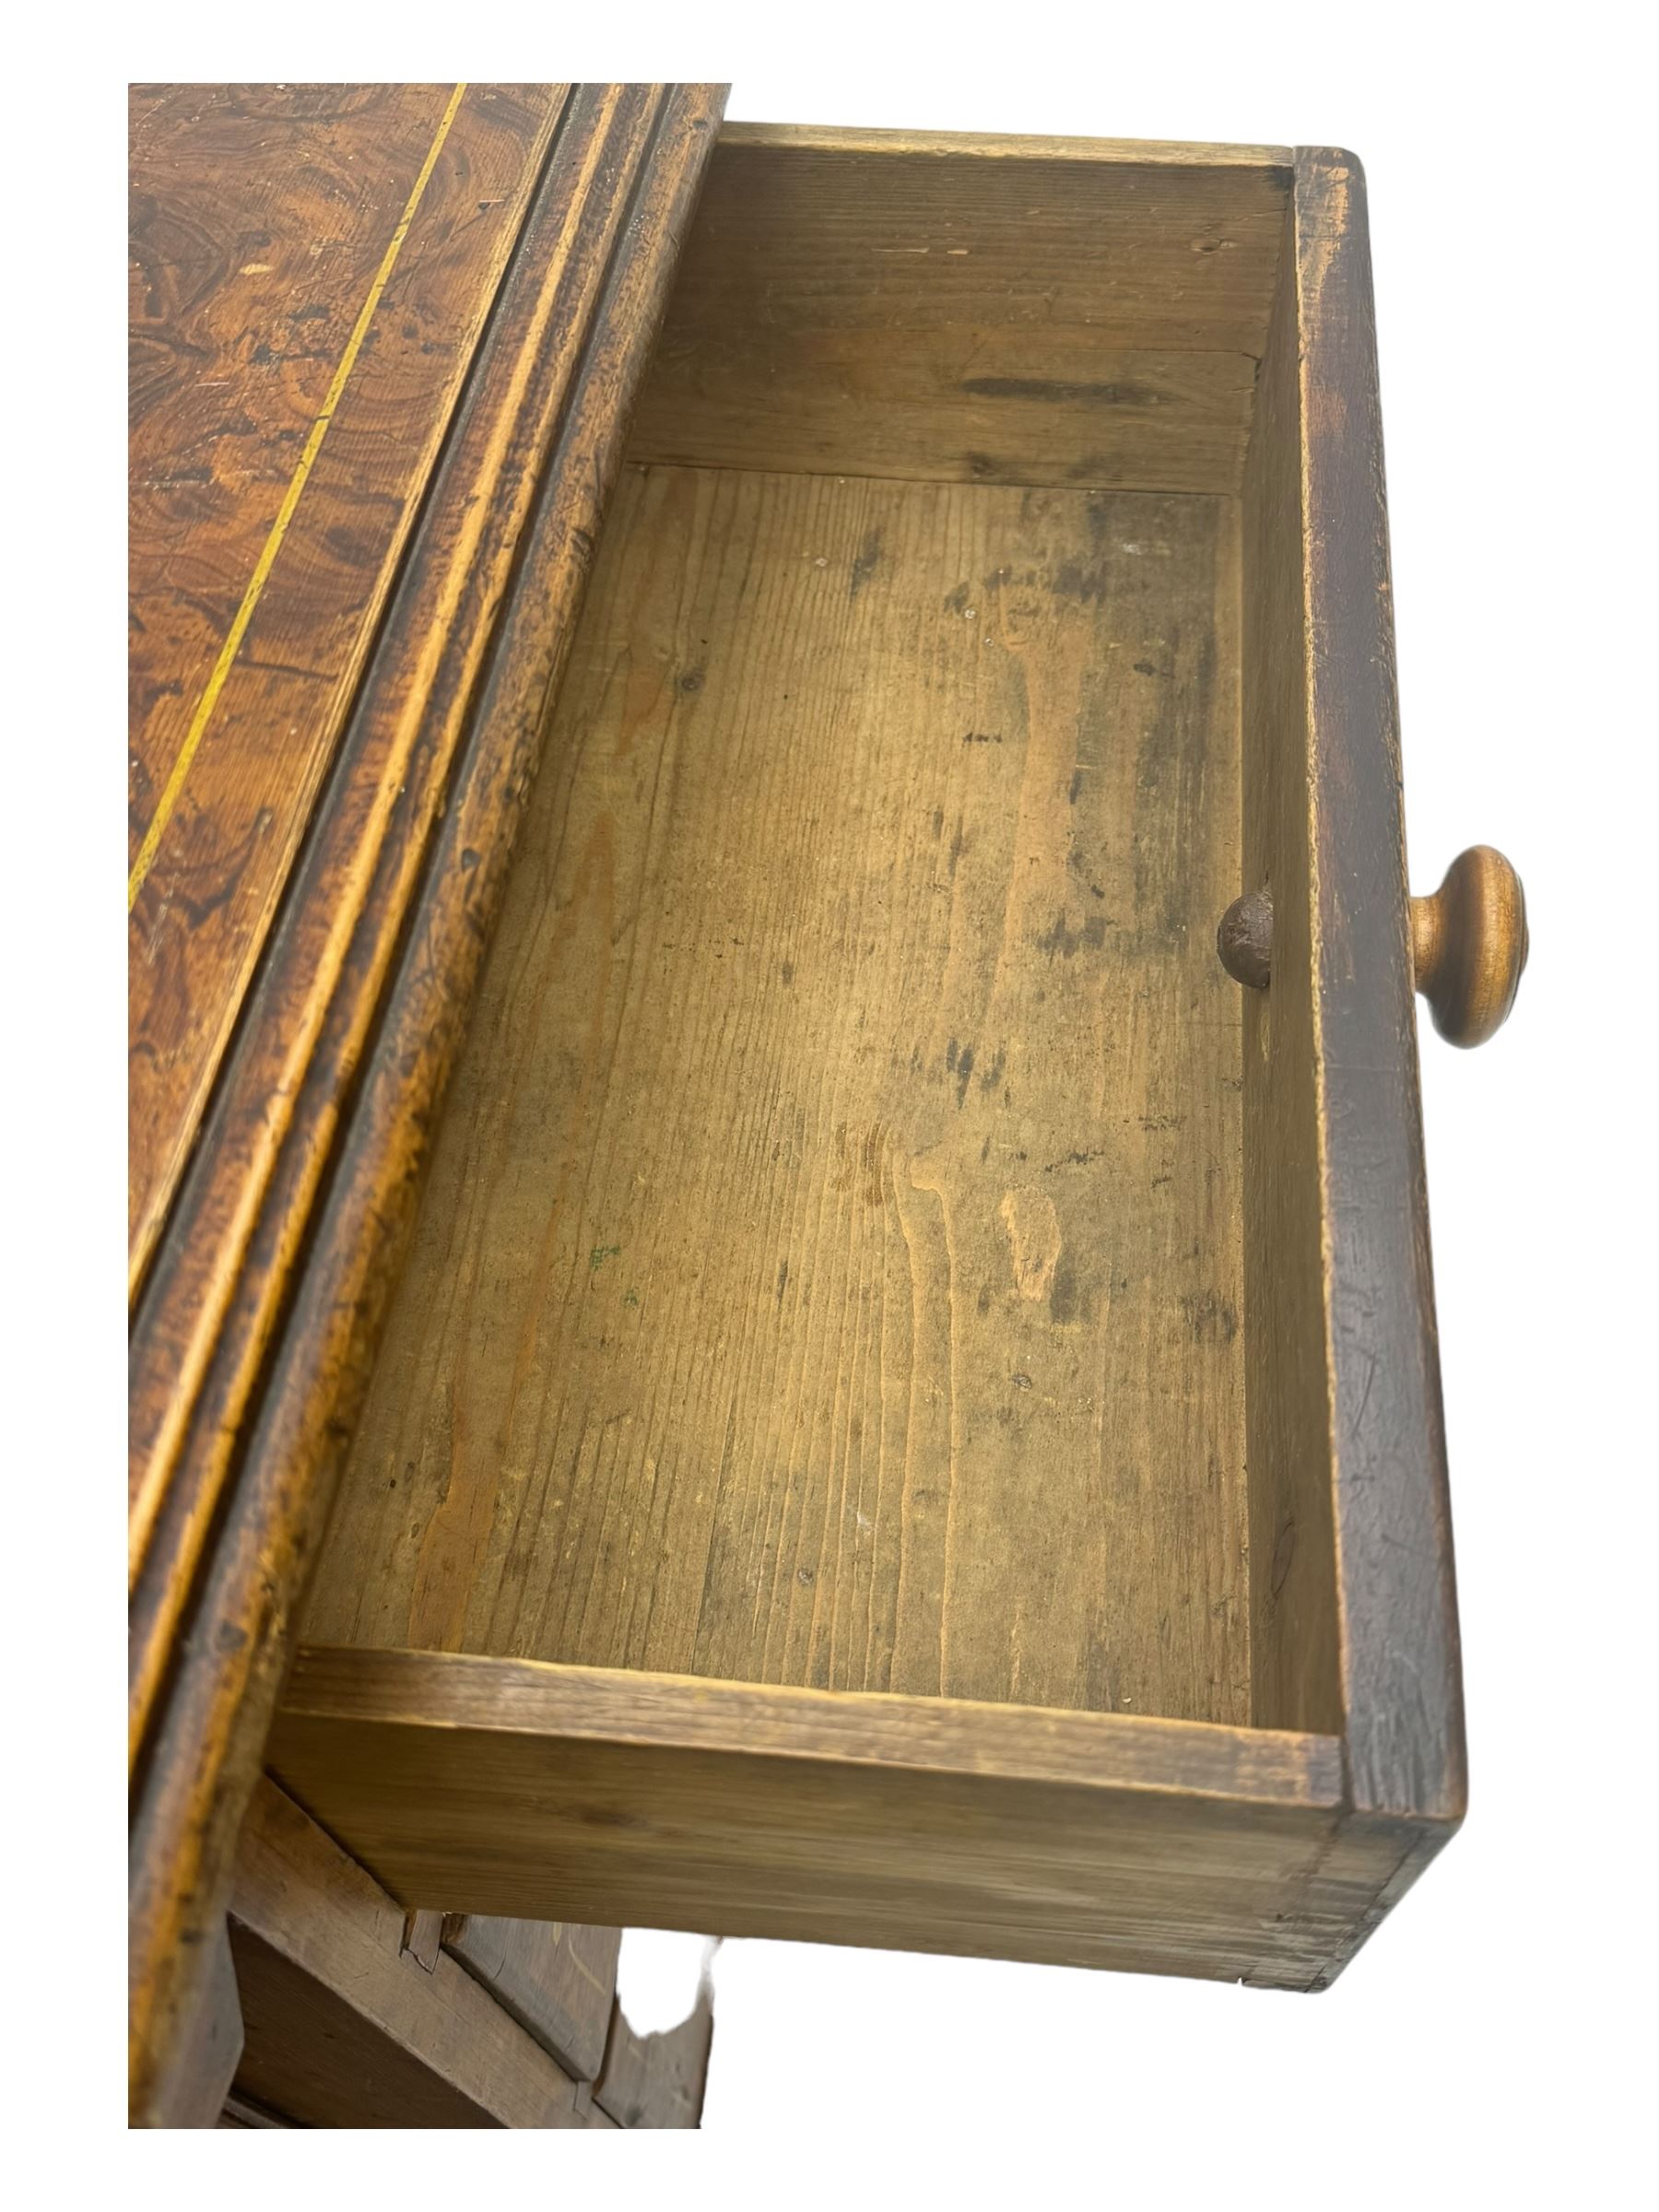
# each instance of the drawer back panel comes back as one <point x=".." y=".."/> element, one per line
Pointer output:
<point x="1033" y="313"/>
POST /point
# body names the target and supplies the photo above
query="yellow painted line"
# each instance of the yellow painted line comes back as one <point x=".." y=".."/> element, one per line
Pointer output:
<point x="285" y="514"/>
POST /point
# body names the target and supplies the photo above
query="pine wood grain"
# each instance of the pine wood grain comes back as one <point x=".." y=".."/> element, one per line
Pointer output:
<point x="1355" y="1619"/>
<point x="557" y="1978"/>
<point x="1017" y="311"/>
<point x="1294" y="1630"/>
<point x="990" y="1831"/>
<point x="657" y="2080"/>
<point x="262" y="219"/>
<point x="346" y="2027"/>
<point x="1401" y="1664"/>
<point x="831" y="1269"/>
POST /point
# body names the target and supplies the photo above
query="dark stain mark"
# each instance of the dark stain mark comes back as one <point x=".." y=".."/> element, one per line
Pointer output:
<point x="938" y="823"/>
<point x="782" y="1280"/>
<point x="955" y="601"/>
<point x="1284" y="1551"/>
<point x="1171" y="774"/>
<point x="1072" y="581"/>
<point x="787" y="972"/>
<point x="866" y="564"/>
<point x="874" y="1188"/>
<point x="984" y="1300"/>
<point x="1063" y="1294"/>
<point x="1095" y="891"/>
<point x="356" y="548"/>
<point x="1075" y="786"/>
<point x="310" y="675"/>
<point x="951" y="1054"/>
<point x="861" y="1167"/>
<point x="469" y="860"/>
<point x="1145" y="668"/>
<point x="1210" y="1317"/>
<point x="959" y="845"/>
<point x="981" y="737"/>
<point x="1062" y="392"/>
<point x="1091" y="932"/>
<point x="980" y="465"/>
<point x="993" y="1075"/>
<point x="964" y="1073"/>
<point x="691" y="682"/>
<point x="219" y="889"/>
<point x="1076" y="1159"/>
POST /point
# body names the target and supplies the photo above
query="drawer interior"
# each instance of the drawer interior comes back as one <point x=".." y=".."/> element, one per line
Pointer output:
<point x="847" y="1254"/>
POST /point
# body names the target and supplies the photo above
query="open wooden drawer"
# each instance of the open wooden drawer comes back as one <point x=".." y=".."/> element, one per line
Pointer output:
<point x="912" y="1416"/>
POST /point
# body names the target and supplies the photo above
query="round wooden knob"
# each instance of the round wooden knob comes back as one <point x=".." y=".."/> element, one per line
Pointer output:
<point x="1468" y="946"/>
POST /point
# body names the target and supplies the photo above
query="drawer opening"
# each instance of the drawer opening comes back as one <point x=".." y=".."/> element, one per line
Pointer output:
<point x="843" y="1262"/>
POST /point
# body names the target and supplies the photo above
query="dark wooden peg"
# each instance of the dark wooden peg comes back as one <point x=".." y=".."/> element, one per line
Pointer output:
<point x="1468" y="946"/>
<point x="1245" y="939"/>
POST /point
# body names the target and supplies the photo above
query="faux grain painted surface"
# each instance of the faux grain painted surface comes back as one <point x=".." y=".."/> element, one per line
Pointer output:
<point x="831" y="1269"/>
<point x="263" y="218"/>
<point x="273" y="1271"/>
<point x="1021" y="311"/>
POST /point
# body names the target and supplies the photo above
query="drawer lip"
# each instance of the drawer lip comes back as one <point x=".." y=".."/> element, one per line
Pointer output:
<point x="456" y="1692"/>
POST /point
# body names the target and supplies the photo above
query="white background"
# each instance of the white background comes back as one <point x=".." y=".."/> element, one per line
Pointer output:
<point x="1492" y="2042"/>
